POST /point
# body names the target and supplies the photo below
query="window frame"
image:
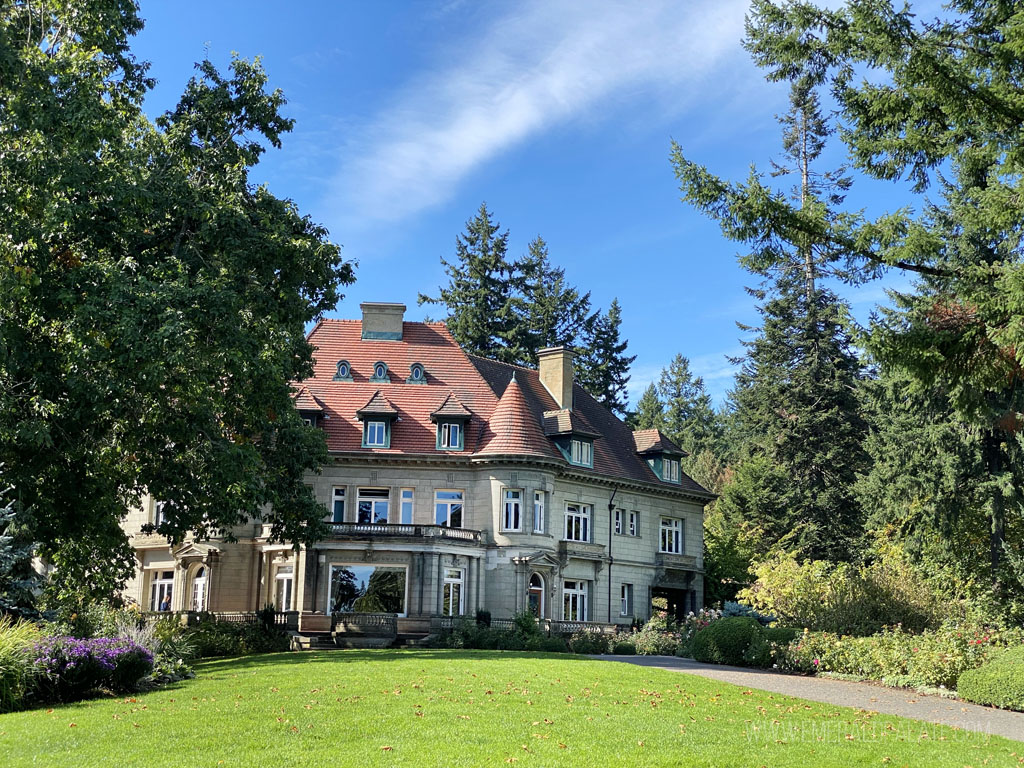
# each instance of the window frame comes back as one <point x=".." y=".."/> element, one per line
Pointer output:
<point x="448" y="504"/>
<point x="404" y="500"/>
<point x="385" y="434"/>
<point x="625" y="599"/>
<point x="285" y="574"/>
<point x="581" y="452"/>
<point x="538" y="511"/>
<point x="159" y="585"/>
<point x="516" y="506"/>
<point x="373" y="500"/>
<point x="450" y="582"/>
<point x="581" y="592"/>
<point x="335" y="498"/>
<point x="675" y="533"/>
<point x="331" y="565"/>
<point x="671" y="470"/>
<point x="444" y="427"/>
<point x="585" y="513"/>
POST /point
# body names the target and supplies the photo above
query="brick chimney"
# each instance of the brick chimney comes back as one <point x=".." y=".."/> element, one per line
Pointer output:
<point x="382" y="321"/>
<point x="555" y="367"/>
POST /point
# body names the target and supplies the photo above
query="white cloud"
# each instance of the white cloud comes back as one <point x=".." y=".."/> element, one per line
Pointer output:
<point x="541" y="65"/>
<point x="713" y="367"/>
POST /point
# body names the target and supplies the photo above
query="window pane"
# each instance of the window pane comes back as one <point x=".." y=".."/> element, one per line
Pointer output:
<point x="367" y="589"/>
<point x="455" y="516"/>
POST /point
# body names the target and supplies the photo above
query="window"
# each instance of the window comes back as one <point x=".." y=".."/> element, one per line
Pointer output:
<point x="535" y="595"/>
<point x="626" y="523"/>
<point x="158" y="513"/>
<point x="375" y="434"/>
<point x="626" y="599"/>
<point x="538" y="511"/>
<point x="577" y="522"/>
<point x="344" y="371"/>
<point x="367" y="589"/>
<point x="512" y="510"/>
<point x="372" y="506"/>
<point x="338" y="504"/>
<point x="307" y="420"/>
<point x="574" y="601"/>
<point x="160" y="590"/>
<point x="283" y="592"/>
<point x="582" y="453"/>
<point x="671" y="472"/>
<point x="449" y="435"/>
<point x="452" y="598"/>
<point x="380" y="373"/>
<point x="448" y="508"/>
<point x="671" y="535"/>
<point x="199" y="590"/>
<point x="407" y="495"/>
<point x="416" y="374"/>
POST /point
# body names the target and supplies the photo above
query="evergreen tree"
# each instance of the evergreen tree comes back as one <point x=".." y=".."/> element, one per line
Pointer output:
<point x="553" y="313"/>
<point x="602" y="367"/>
<point x="650" y="411"/>
<point x="689" y="418"/>
<point x="18" y="580"/>
<point x="483" y="293"/>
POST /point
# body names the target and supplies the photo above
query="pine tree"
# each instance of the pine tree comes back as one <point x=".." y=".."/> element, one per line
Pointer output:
<point x="482" y="295"/>
<point x="690" y="418"/>
<point x="553" y="313"/>
<point x="650" y="411"/>
<point x="602" y="366"/>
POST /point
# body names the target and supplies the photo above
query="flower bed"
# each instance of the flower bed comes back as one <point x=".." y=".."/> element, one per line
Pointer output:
<point x="68" y="667"/>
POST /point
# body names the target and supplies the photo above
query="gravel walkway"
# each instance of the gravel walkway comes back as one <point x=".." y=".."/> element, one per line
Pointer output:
<point x="875" y="698"/>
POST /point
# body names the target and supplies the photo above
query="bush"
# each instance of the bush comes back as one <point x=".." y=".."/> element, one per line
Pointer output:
<point x="624" y="648"/>
<point x="732" y="610"/>
<point x="934" y="659"/>
<point x="998" y="683"/>
<point x="69" y="667"/>
<point x="17" y="672"/>
<point x="483" y="618"/>
<point x="588" y="641"/>
<point x="726" y="641"/>
<point x="553" y="645"/>
<point x="840" y="598"/>
<point x="656" y="639"/>
<point x="218" y="638"/>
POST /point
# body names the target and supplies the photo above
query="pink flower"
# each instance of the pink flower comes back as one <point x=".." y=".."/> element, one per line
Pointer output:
<point x="815" y="662"/>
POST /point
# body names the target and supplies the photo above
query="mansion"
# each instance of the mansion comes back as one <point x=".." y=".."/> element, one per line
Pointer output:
<point x="454" y="484"/>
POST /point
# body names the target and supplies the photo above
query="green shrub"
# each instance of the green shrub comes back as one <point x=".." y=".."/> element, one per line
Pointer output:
<point x="998" y="683"/>
<point x="216" y="638"/>
<point x="17" y="672"/>
<point x="781" y="635"/>
<point x="726" y="640"/>
<point x="588" y="641"/>
<point x="483" y="618"/>
<point x="553" y="645"/>
<point x="624" y="648"/>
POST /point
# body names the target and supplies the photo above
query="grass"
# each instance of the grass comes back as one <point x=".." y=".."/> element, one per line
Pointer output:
<point x="469" y="708"/>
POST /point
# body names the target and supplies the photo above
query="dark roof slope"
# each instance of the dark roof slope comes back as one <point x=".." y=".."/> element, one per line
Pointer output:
<point x="653" y="441"/>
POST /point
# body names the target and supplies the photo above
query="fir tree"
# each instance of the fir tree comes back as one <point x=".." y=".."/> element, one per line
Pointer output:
<point x="482" y="295"/>
<point x="650" y="411"/>
<point x="603" y="367"/>
<point x="689" y="417"/>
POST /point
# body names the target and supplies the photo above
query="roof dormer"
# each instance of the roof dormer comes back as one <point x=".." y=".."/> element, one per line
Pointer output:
<point x="662" y="455"/>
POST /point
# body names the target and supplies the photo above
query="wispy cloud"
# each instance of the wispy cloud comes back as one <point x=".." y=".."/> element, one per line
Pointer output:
<point x="543" y="64"/>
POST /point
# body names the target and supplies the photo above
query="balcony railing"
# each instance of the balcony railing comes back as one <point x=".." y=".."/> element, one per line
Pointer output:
<point x="547" y="626"/>
<point x="368" y="530"/>
<point x="581" y="549"/>
<point x="682" y="562"/>
<point x="375" y="624"/>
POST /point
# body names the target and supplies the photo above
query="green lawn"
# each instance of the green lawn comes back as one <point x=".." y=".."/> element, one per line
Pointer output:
<point x="449" y="708"/>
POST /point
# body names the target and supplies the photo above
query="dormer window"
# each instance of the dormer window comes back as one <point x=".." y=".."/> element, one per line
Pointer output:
<point x="450" y="436"/>
<point x="380" y="373"/>
<point x="376" y="434"/>
<point x="377" y="417"/>
<point x="581" y="453"/>
<point x="344" y="371"/>
<point x="417" y="375"/>
<point x="671" y="470"/>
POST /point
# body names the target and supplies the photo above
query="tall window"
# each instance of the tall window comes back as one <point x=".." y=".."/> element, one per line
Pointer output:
<point x="538" y="511"/>
<point x="453" y="592"/>
<point x="634" y="523"/>
<point x="407" y="496"/>
<point x="582" y="453"/>
<point x="512" y="510"/>
<point x="448" y="508"/>
<point x="160" y="591"/>
<point x="672" y="535"/>
<point x="619" y="520"/>
<point x="375" y="434"/>
<point x="671" y="470"/>
<point x="338" y="504"/>
<point x="577" y="522"/>
<point x="283" y="591"/>
<point x="574" y="601"/>
<point x="626" y="600"/>
<point x="449" y="435"/>
<point x="627" y="523"/>
<point x="372" y="506"/>
<point x="199" y="590"/>
<point x="158" y="513"/>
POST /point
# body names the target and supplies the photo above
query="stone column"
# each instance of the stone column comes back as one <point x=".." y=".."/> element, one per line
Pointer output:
<point x="435" y="570"/>
<point x="470" y="590"/>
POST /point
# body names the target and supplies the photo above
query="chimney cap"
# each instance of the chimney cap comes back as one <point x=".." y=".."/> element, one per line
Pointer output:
<point x="548" y="351"/>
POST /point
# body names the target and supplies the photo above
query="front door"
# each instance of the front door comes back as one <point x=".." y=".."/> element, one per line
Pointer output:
<point x="535" y="596"/>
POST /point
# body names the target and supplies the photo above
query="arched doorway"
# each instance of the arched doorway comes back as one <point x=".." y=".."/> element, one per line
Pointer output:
<point x="535" y="595"/>
<point x="199" y="589"/>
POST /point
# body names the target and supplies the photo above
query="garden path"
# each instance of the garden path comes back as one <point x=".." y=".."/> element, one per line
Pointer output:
<point x="868" y="696"/>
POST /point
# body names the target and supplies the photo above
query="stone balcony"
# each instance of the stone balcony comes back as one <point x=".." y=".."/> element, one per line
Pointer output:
<point x="582" y="550"/>
<point x="375" y="531"/>
<point x="676" y="562"/>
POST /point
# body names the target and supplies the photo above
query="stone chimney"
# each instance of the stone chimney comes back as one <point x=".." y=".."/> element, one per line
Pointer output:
<point x="555" y="367"/>
<point x="382" y="321"/>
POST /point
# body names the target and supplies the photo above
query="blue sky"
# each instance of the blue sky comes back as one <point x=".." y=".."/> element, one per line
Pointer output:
<point x="558" y="114"/>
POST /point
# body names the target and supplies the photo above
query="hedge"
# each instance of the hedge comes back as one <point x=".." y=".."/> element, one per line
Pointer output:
<point x="726" y="641"/>
<point x="998" y="683"/>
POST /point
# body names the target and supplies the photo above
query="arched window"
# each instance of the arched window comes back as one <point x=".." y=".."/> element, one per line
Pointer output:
<point x="380" y="372"/>
<point x="417" y="374"/>
<point x="535" y="595"/>
<point x="344" y="372"/>
<point x="199" y="589"/>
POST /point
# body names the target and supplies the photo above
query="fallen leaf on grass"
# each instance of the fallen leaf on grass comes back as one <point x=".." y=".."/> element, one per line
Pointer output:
<point x="386" y="749"/>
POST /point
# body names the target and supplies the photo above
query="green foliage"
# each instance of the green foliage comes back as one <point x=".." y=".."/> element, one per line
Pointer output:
<point x="589" y="641"/>
<point x="650" y="411"/>
<point x="997" y="683"/>
<point x="18" y="580"/>
<point x="210" y="637"/>
<point x="845" y="599"/>
<point x="17" y="672"/>
<point x="936" y="658"/>
<point x="152" y="297"/>
<point x="656" y="638"/>
<point x="624" y="648"/>
<point x="602" y="367"/>
<point x="483" y="617"/>
<point x="726" y="641"/>
<point x="689" y="417"/>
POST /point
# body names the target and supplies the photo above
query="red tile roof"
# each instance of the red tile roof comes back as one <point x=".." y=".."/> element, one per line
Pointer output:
<point x="653" y="441"/>
<point x="565" y="422"/>
<point x="451" y="408"/>
<point x="305" y="400"/>
<point x="513" y="428"/>
<point x="378" y="405"/>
